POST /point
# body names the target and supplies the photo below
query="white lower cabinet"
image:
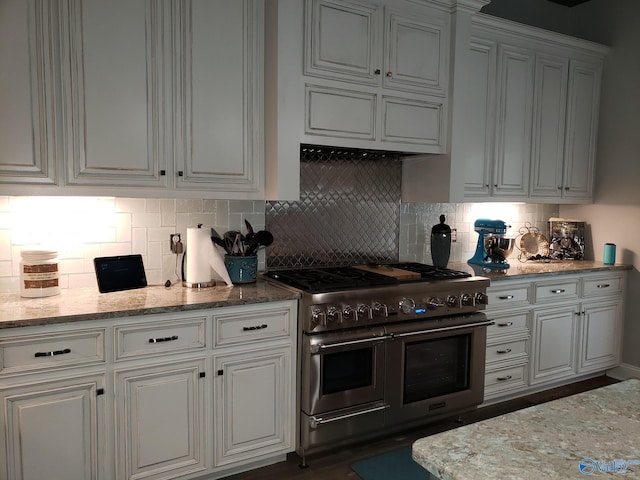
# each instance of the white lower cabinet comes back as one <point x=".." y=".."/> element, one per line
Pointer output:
<point x="552" y="330"/>
<point x="53" y="429"/>
<point x="555" y="334"/>
<point x="250" y="392"/>
<point x="161" y="420"/>
<point x="189" y="395"/>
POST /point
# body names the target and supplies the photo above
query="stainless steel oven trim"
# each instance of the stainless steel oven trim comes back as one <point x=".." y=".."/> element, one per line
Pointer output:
<point x="315" y="421"/>
<point x="443" y="329"/>
<point x="317" y="347"/>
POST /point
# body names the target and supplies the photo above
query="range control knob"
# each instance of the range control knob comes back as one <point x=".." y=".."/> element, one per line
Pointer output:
<point x="380" y="309"/>
<point x="364" y="310"/>
<point x="334" y="315"/>
<point x="452" y="301"/>
<point x="433" y="303"/>
<point x="481" y="298"/>
<point x="466" y="300"/>
<point x="318" y="316"/>
<point x="407" y="305"/>
<point x="348" y="313"/>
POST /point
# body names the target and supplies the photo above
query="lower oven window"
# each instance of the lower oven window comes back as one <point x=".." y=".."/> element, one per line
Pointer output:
<point x="436" y="367"/>
<point x="347" y="370"/>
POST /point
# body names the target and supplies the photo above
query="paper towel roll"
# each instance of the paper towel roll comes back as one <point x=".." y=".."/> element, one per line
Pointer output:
<point x="204" y="262"/>
<point x="198" y="268"/>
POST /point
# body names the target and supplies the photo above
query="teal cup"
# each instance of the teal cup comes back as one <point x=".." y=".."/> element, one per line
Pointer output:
<point x="609" y="257"/>
<point x="241" y="269"/>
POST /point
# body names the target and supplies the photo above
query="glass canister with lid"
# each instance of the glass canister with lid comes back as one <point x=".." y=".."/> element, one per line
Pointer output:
<point x="39" y="273"/>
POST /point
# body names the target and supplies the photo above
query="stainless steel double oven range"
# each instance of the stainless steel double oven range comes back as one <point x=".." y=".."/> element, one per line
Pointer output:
<point x="378" y="354"/>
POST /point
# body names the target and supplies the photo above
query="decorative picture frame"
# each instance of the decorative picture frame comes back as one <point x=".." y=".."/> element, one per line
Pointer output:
<point x="566" y="239"/>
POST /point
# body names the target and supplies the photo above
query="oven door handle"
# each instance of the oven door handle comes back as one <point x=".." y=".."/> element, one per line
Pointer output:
<point x="315" y="422"/>
<point x="445" y="329"/>
<point x="326" y="346"/>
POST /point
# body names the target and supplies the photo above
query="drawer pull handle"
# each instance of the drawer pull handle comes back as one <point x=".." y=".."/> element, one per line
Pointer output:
<point x="506" y="297"/>
<point x="604" y="285"/>
<point x="558" y="290"/>
<point x="255" y="327"/>
<point x="506" y="350"/>
<point x="163" y="339"/>
<point x="52" y="353"/>
<point x="502" y="379"/>
<point x="505" y="324"/>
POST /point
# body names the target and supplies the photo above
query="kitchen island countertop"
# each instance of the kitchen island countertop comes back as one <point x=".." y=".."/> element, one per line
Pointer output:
<point x="82" y="304"/>
<point x="571" y="437"/>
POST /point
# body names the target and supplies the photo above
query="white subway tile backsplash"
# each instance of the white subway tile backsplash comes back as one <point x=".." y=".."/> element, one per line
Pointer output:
<point x="130" y="205"/>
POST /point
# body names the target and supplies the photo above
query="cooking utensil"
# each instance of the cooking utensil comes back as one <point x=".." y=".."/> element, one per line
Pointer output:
<point x="250" y="232"/>
<point x="262" y="238"/>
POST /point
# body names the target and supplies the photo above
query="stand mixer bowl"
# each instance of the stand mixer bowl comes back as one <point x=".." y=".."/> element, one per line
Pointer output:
<point x="499" y="248"/>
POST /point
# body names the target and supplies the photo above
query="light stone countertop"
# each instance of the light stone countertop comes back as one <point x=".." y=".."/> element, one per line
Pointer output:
<point x="82" y="304"/>
<point x="527" y="270"/>
<point x="73" y="305"/>
<point x="547" y="441"/>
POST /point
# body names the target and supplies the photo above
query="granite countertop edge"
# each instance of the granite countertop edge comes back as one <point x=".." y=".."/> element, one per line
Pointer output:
<point x="87" y="304"/>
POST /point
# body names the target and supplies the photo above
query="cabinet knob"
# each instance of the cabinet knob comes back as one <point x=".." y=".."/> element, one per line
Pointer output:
<point x="559" y="187"/>
<point x="389" y="74"/>
<point x="376" y="71"/>
<point x="566" y="189"/>
<point x="163" y="173"/>
<point x="181" y="173"/>
<point x="495" y="185"/>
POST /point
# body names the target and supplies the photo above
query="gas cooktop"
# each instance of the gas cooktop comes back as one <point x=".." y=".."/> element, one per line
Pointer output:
<point x="329" y="279"/>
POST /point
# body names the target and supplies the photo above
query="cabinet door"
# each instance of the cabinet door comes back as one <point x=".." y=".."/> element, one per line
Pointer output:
<point x="115" y="107"/>
<point x="28" y="124"/>
<point x="253" y="405"/>
<point x="477" y="126"/>
<point x="582" y="127"/>
<point x="160" y="421"/>
<point x="53" y="430"/>
<point x="219" y="64"/>
<point x="342" y="40"/>
<point x="513" y="139"/>
<point x="416" y="53"/>
<point x="549" y="125"/>
<point x="554" y="337"/>
<point x="600" y="346"/>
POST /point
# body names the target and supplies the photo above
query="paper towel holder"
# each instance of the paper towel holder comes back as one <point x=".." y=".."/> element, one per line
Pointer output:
<point x="186" y="284"/>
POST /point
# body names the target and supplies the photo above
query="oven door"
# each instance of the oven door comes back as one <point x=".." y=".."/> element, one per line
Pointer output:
<point x="342" y="369"/>
<point x="436" y="371"/>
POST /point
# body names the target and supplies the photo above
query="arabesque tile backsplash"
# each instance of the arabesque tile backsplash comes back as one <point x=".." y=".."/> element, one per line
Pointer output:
<point x="82" y="228"/>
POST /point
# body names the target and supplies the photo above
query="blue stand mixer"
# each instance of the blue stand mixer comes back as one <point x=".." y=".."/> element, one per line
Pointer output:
<point x="493" y="247"/>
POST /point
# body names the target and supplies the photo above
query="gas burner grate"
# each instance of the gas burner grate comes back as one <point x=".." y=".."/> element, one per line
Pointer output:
<point x="319" y="280"/>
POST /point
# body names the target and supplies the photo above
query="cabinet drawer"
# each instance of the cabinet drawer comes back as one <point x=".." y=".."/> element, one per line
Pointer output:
<point x="249" y="326"/>
<point x="598" y="286"/>
<point x="171" y="336"/>
<point x="508" y="325"/>
<point x="504" y="378"/>
<point x="508" y="296"/>
<point x="44" y="352"/>
<point x="506" y="351"/>
<point x="554" y="291"/>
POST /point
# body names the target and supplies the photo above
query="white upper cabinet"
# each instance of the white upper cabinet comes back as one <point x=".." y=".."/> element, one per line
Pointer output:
<point x="525" y="114"/>
<point x="137" y="98"/>
<point x="29" y="150"/>
<point x="374" y="75"/>
<point x="513" y="127"/>
<point x="114" y="93"/>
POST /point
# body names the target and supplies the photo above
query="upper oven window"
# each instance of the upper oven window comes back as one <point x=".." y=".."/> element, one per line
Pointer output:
<point x="436" y="367"/>
<point x="347" y="370"/>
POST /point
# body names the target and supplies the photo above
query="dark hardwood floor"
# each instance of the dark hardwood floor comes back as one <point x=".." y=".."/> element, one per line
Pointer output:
<point x="335" y="464"/>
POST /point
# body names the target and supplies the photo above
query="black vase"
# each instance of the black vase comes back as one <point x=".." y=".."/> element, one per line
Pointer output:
<point x="440" y="243"/>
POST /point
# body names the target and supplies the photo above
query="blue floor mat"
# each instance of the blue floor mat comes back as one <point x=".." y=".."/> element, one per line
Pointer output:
<point x="393" y="465"/>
